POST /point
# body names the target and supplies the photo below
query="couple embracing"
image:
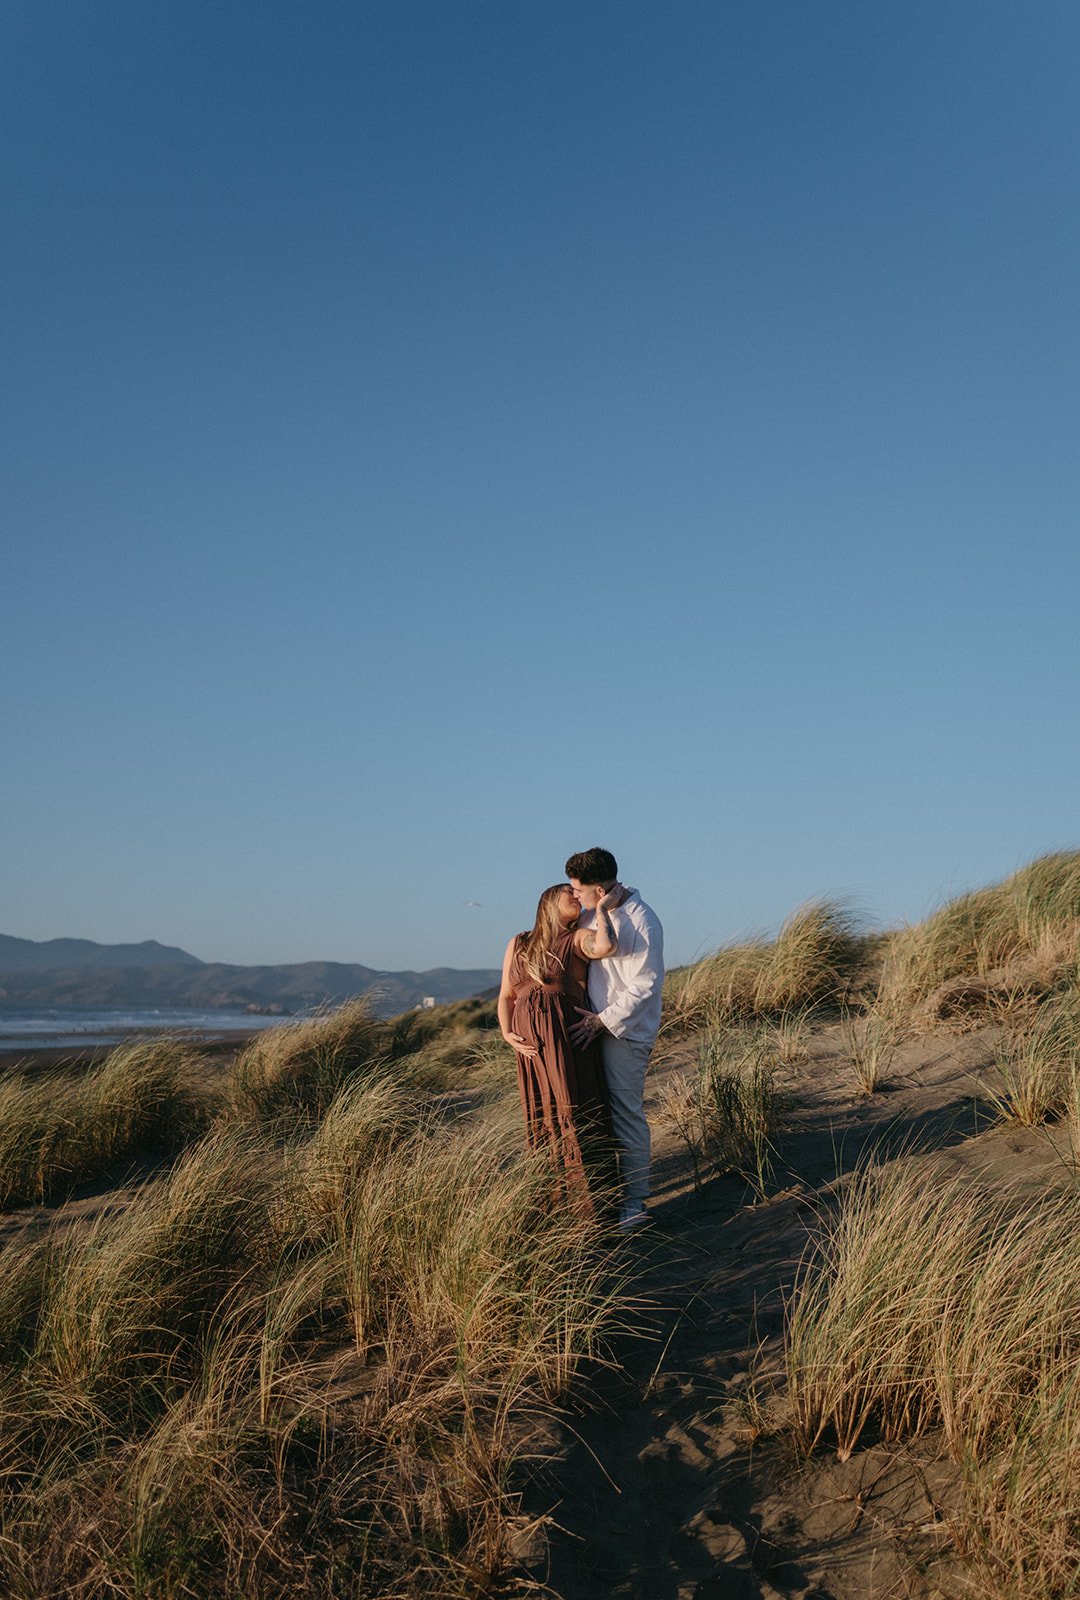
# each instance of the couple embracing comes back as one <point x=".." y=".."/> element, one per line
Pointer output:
<point x="580" y="1005"/>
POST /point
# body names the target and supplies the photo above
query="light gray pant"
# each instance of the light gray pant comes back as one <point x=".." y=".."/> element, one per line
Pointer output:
<point x="625" y="1062"/>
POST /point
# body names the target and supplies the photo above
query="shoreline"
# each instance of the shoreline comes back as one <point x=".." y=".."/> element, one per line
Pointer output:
<point x="39" y="1058"/>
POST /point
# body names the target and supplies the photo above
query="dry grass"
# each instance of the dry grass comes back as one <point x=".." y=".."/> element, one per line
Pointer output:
<point x="1072" y="1109"/>
<point x="154" y="1097"/>
<point x="871" y="1042"/>
<point x="1038" y="1065"/>
<point x="461" y="1058"/>
<point x="424" y="1284"/>
<point x="289" y="1075"/>
<point x="443" y="1047"/>
<point x="789" y="1035"/>
<point x="811" y="960"/>
<point x="366" y="1121"/>
<point x="1022" y="932"/>
<point x="64" y="1128"/>
<point x="419" y="1028"/>
<point x="729" y="1111"/>
<point x="134" y="1293"/>
<point x="927" y="1303"/>
<point x="301" y="1368"/>
<point x="1023" y="1522"/>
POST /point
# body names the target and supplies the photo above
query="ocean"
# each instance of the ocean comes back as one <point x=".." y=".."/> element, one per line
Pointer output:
<point x="55" y="1029"/>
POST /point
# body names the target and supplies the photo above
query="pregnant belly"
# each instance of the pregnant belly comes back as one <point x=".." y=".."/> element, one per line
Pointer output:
<point x="539" y="1013"/>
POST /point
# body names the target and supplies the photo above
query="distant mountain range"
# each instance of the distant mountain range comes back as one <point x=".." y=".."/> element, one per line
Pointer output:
<point x="57" y="955"/>
<point x="80" y="973"/>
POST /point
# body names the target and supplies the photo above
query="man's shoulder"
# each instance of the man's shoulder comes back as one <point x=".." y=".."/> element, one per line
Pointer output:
<point x="639" y="913"/>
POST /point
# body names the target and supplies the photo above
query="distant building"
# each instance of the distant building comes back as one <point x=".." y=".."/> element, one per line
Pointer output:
<point x="427" y="1003"/>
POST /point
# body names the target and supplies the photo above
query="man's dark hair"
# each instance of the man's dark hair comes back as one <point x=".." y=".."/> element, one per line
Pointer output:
<point x="593" y="866"/>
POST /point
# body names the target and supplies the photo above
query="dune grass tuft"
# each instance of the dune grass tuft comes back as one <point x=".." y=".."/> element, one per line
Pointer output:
<point x="62" y="1128"/>
<point x="290" y="1075"/>
<point x="1025" y="930"/>
<point x="925" y="1302"/>
<point x="1022" y="1523"/>
<point x="790" y="1033"/>
<point x="1038" y="1065"/>
<point x="130" y="1298"/>
<point x="728" y="1111"/>
<point x="810" y="961"/>
<point x="871" y="1042"/>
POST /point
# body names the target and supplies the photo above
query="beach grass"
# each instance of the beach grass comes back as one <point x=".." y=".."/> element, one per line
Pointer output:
<point x="300" y="1365"/>
<point x="1037" y="1064"/>
<point x="150" y="1099"/>
<point x="65" y="1127"/>
<point x="290" y="1074"/>
<point x="729" y="1110"/>
<point x="313" y="1353"/>
<point x="927" y="1302"/>
<point x="789" y="1034"/>
<point x="870" y="1042"/>
<point x="811" y="961"/>
<point x="1023" y="933"/>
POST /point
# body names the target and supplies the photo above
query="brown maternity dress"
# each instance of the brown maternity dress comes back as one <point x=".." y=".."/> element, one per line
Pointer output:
<point x="563" y="1096"/>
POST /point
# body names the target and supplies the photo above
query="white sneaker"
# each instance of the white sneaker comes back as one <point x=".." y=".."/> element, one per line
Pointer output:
<point x="632" y="1215"/>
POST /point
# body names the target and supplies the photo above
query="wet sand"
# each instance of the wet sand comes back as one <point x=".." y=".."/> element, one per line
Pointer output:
<point x="76" y="1056"/>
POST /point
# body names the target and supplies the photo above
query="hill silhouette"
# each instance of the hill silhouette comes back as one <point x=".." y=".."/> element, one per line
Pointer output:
<point x="79" y="973"/>
<point x="52" y="955"/>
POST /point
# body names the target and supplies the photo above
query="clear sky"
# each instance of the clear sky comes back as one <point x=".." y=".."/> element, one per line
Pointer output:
<point x="440" y="436"/>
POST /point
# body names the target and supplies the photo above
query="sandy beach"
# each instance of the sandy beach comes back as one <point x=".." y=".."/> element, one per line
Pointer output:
<point x="836" y="1364"/>
<point x="218" y="1046"/>
<point x="675" y="1473"/>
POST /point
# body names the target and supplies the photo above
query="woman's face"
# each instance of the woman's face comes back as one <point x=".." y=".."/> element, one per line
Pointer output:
<point x="569" y="910"/>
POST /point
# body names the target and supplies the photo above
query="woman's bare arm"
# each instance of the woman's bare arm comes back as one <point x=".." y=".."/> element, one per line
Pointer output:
<point x="506" y="1005"/>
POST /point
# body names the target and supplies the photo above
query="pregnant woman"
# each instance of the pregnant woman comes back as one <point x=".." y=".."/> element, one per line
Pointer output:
<point x="562" y="1084"/>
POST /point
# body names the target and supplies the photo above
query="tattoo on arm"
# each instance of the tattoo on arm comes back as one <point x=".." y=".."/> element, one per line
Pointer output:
<point x="588" y="944"/>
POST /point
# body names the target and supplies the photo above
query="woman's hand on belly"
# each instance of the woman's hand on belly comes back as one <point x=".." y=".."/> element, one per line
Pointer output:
<point x="521" y="1045"/>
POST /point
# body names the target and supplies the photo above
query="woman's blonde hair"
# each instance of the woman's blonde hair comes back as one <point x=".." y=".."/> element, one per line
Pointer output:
<point x="536" y="949"/>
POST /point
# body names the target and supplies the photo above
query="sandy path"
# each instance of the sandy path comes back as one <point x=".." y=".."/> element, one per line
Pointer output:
<point x="677" y="1480"/>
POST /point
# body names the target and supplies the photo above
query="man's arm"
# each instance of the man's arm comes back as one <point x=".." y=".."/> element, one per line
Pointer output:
<point x="643" y="974"/>
<point x="600" y="940"/>
<point x="641" y="964"/>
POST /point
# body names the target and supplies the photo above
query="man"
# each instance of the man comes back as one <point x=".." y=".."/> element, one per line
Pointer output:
<point x="624" y="993"/>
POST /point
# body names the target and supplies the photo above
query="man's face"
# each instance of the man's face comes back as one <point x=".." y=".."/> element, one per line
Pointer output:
<point x="588" y="895"/>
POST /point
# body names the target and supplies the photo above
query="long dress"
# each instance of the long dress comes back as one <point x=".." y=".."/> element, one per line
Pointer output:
<point x="563" y="1095"/>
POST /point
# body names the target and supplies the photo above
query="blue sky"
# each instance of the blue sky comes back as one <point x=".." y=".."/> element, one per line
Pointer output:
<point x="438" y="437"/>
